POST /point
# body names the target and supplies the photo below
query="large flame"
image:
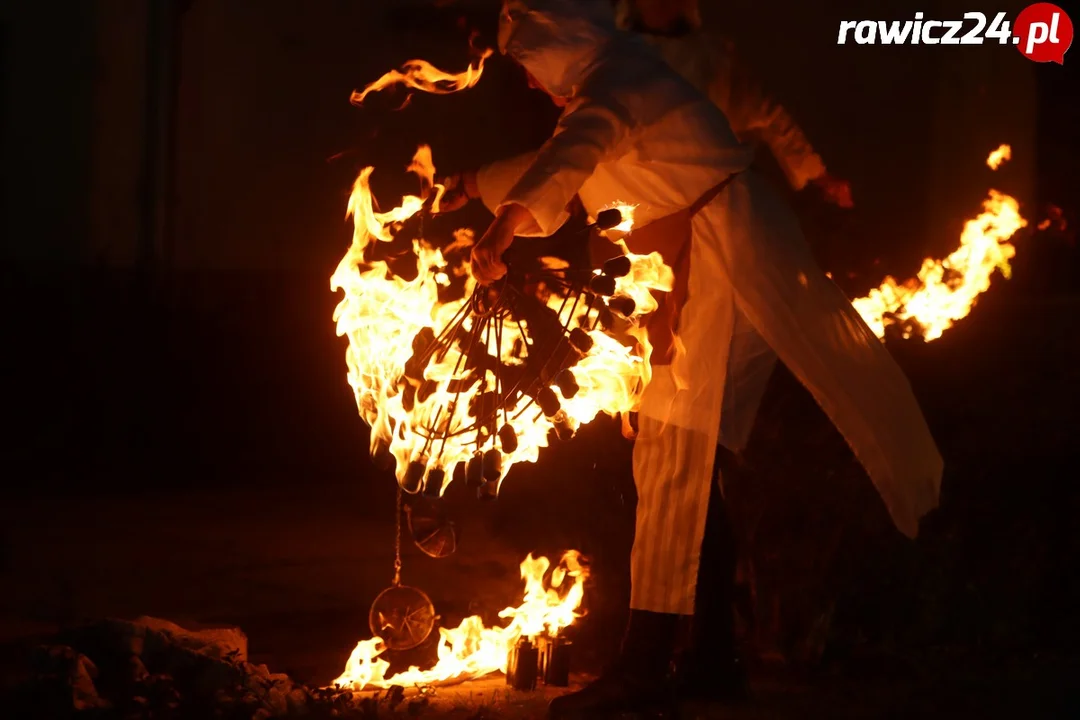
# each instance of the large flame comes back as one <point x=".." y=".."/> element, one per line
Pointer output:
<point x="471" y="650"/>
<point x="382" y="313"/>
<point x="945" y="290"/>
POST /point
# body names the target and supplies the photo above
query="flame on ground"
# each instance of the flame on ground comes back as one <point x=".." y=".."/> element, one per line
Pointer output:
<point x="945" y="290"/>
<point x="471" y="650"/>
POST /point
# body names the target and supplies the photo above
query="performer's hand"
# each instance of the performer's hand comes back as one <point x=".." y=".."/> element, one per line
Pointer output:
<point x="835" y="190"/>
<point x="459" y="190"/>
<point x="487" y="264"/>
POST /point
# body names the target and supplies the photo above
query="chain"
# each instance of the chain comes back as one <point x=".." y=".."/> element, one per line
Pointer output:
<point x="397" y="540"/>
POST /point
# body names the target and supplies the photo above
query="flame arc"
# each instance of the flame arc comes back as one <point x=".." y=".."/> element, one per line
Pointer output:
<point x="945" y="291"/>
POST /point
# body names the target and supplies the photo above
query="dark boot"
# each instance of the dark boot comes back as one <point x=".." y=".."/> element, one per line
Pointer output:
<point x="709" y="670"/>
<point x="637" y="681"/>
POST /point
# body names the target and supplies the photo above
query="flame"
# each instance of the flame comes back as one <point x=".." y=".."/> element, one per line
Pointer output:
<point x="422" y="75"/>
<point x="627" y="212"/>
<point x="381" y="314"/>
<point x="999" y="156"/>
<point x="945" y="290"/>
<point x="424" y="167"/>
<point x="471" y="650"/>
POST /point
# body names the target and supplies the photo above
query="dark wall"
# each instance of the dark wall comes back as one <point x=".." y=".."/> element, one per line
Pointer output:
<point x="269" y="144"/>
<point x="49" y="76"/>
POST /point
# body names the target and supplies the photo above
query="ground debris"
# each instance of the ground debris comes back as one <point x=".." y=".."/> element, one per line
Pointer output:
<point x="154" y="669"/>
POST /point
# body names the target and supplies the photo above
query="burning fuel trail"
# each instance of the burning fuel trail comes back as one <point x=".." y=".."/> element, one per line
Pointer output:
<point x="471" y="650"/>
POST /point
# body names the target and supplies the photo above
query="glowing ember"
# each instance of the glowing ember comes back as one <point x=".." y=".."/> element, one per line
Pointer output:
<point x="471" y="650"/>
<point x="999" y="156"/>
<point x="945" y="290"/>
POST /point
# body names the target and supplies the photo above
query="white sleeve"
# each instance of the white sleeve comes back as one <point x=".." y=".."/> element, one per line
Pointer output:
<point x="590" y="131"/>
<point x="495" y="180"/>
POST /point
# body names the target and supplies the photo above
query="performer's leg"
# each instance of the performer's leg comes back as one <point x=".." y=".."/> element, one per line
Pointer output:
<point x="673" y="471"/>
<point x="673" y="474"/>
<point x="710" y="668"/>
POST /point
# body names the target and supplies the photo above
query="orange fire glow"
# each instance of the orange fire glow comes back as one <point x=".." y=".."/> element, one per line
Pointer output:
<point x="471" y="650"/>
<point x="946" y="290"/>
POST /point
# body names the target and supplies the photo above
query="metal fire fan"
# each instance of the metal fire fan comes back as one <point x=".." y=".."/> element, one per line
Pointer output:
<point x="401" y="615"/>
<point x="544" y="355"/>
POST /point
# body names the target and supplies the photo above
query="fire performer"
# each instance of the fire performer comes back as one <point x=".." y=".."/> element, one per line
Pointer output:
<point x="709" y="62"/>
<point x="633" y="131"/>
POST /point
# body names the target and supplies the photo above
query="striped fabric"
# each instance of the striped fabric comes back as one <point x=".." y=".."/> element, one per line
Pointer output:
<point x="673" y="470"/>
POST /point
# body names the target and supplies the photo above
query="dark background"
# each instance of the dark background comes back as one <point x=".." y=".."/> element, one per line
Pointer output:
<point x="181" y="439"/>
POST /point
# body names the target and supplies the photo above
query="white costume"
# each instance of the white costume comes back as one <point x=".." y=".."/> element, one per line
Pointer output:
<point x="634" y="131"/>
<point x="711" y="65"/>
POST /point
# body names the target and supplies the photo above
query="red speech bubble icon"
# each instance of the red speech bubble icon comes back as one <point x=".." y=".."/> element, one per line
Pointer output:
<point x="1043" y="32"/>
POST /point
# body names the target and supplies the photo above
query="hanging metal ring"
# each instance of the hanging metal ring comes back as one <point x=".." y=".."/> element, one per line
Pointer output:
<point x="402" y="616"/>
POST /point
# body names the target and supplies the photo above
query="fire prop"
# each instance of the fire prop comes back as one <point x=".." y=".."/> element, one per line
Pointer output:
<point x="447" y="373"/>
<point x="945" y="290"/>
<point x="471" y="650"/>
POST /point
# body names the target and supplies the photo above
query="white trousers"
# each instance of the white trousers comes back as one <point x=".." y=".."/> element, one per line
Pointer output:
<point x="673" y="471"/>
<point x="711" y="395"/>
